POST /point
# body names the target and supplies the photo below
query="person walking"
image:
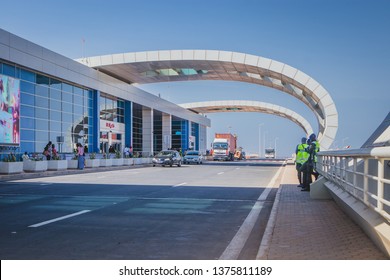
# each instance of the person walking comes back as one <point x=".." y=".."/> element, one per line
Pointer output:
<point x="301" y="157"/>
<point x="80" y="156"/>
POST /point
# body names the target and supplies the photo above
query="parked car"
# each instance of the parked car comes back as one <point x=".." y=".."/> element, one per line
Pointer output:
<point x="168" y="157"/>
<point x="193" y="157"/>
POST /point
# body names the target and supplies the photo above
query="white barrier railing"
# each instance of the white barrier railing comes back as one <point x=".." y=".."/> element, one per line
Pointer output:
<point x="363" y="173"/>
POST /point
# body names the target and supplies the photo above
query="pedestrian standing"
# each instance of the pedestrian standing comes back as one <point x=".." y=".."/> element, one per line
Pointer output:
<point x="80" y="156"/>
<point x="301" y="157"/>
<point x="309" y="166"/>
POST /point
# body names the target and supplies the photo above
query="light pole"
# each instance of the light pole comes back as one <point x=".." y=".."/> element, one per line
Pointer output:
<point x="260" y="125"/>
<point x="275" y="146"/>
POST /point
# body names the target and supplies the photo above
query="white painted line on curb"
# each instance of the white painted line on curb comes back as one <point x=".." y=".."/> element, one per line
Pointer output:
<point x="220" y="173"/>
<point x="178" y="185"/>
<point x="235" y="246"/>
<point x="60" y="218"/>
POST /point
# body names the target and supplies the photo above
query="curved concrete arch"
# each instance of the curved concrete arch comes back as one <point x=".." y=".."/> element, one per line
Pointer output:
<point x="189" y="65"/>
<point x="235" y="106"/>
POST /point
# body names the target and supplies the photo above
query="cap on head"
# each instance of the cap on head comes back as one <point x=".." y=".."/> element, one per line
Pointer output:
<point x="312" y="137"/>
<point x="303" y="140"/>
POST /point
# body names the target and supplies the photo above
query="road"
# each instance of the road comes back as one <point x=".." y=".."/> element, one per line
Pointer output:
<point x="209" y="211"/>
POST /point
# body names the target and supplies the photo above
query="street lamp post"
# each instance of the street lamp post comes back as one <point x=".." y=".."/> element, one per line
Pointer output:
<point x="275" y="146"/>
<point x="260" y="125"/>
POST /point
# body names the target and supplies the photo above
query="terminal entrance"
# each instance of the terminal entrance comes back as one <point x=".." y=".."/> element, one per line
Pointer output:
<point x="110" y="142"/>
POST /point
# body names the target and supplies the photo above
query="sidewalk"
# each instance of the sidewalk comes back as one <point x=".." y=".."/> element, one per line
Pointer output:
<point x="307" y="229"/>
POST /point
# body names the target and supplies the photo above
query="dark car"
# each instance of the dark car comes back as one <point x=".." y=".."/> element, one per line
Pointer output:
<point x="168" y="157"/>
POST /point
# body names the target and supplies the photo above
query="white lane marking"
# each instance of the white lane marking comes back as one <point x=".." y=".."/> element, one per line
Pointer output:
<point x="220" y="173"/>
<point x="46" y="184"/>
<point x="60" y="218"/>
<point x="237" y="168"/>
<point x="178" y="185"/>
<point x="100" y="177"/>
<point x="235" y="246"/>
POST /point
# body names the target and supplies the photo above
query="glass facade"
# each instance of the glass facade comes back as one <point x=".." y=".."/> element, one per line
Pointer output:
<point x="195" y="133"/>
<point x="179" y="134"/>
<point x="112" y="108"/>
<point x="64" y="113"/>
<point x="51" y="110"/>
<point x="137" y="127"/>
<point x="157" y="131"/>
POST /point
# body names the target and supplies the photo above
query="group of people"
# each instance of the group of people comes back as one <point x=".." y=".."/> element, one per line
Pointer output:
<point x="128" y="151"/>
<point x="50" y="151"/>
<point x="305" y="161"/>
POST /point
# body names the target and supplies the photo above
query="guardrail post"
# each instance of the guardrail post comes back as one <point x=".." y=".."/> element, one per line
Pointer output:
<point x="381" y="174"/>
<point x="365" y="187"/>
<point x="354" y="178"/>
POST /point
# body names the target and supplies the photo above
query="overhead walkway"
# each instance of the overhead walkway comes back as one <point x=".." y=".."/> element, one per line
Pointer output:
<point x="234" y="106"/>
<point x="191" y="65"/>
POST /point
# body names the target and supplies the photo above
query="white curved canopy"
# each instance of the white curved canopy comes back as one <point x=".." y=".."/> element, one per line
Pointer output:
<point x="235" y="106"/>
<point x="189" y="65"/>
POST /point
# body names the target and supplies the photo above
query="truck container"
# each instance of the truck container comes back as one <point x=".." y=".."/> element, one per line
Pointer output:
<point x="224" y="146"/>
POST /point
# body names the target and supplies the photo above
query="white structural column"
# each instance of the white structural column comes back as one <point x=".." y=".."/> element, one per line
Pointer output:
<point x="147" y="131"/>
<point x="166" y="131"/>
<point x="202" y="139"/>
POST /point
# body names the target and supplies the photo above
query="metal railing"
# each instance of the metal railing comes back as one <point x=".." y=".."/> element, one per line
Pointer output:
<point x="363" y="173"/>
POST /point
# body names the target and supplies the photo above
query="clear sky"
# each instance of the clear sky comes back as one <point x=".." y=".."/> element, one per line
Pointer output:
<point x="343" y="44"/>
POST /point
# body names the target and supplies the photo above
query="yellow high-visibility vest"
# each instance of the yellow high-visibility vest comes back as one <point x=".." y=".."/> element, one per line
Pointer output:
<point x="302" y="155"/>
<point x="316" y="150"/>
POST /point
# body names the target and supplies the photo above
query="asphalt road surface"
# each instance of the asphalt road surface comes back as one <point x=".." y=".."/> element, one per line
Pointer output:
<point x="209" y="211"/>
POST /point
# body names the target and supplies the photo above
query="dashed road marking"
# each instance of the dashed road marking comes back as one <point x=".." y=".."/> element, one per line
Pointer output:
<point x="59" y="218"/>
<point x="178" y="185"/>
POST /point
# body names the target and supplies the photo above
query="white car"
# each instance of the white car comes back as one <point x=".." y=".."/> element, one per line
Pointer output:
<point x="193" y="157"/>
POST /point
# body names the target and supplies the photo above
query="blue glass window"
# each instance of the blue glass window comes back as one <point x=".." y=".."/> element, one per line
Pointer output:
<point x="55" y="94"/>
<point x="68" y="97"/>
<point x="67" y="87"/>
<point x="9" y="70"/>
<point x="67" y="117"/>
<point x="41" y="124"/>
<point x="27" y="123"/>
<point x="27" y="135"/>
<point x="27" y="146"/>
<point x="42" y="102"/>
<point x="78" y="91"/>
<point x="27" y="99"/>
<point x="55" y="105"/>
<point x="41" y="113"/>
<point x="55" y="84"/>
<point x="43" y="80"/>
<point x="27" y="87"/>
<point x="55" y="116"/>
<point x="42" y="91"/>
<point x="27" y="111"/>
<point x="55" y="126"/>
<point x="27" y="76"/>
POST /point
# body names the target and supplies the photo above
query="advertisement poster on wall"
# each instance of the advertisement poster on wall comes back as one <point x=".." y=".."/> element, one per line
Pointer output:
<point x="9" y="111"/>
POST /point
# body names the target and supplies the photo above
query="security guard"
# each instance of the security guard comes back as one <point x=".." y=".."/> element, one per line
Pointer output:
<point x="301" y="157"/>
<point x="309" y="166"/>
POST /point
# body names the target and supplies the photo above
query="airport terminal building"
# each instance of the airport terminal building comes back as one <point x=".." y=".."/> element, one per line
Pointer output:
<point x="48" y="97"/>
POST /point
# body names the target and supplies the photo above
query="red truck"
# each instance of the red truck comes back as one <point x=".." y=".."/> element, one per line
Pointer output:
<point x="224" y="146"/>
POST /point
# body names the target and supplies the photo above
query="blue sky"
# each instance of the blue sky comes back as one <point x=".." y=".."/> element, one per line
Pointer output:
<point x="343" y="44"/>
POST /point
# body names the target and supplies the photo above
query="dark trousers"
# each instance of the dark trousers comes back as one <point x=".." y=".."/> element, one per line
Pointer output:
<point x="307" y="171"/>
<point x="298" y="167"/>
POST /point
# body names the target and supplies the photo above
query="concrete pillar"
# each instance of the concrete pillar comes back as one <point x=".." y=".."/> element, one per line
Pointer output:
<point x="166" y="131"/>
<point x="202" y="139"/>
<point x="147" y="131"/>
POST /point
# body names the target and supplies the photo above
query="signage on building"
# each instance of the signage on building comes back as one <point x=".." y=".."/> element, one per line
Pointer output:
<point x="9" y="112"/>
